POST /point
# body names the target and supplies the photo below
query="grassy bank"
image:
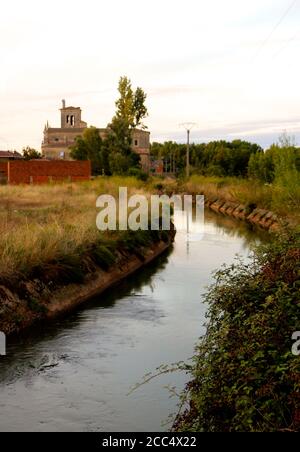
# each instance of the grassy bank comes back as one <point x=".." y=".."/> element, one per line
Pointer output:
<point x="244" y="375"/>
<point x="49" y="245"/>
<point x="283" y="199"/>
<point x="41" y="224"/>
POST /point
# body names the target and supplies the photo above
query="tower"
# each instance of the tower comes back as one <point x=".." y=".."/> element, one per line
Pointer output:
<point x="71" y="117"/>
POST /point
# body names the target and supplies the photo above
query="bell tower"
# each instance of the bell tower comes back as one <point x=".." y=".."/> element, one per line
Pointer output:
<point x="71" y="117"/>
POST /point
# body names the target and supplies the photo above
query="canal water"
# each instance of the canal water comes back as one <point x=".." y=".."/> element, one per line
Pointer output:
<point x="75" y="374"/>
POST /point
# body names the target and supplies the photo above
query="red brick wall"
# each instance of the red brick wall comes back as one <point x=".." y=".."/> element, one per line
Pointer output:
<point x="43" y="171"/>
<point x="3" y="167"/>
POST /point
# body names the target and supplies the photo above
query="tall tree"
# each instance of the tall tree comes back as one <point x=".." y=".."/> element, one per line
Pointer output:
<point x="131" y="106"/>
<point x="130" y="111"/>
<point x="119" y="147"/>
<point x="125" y="103"/>
<point x="139" y="108"/>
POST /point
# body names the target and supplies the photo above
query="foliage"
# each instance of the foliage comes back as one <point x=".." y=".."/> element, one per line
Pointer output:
<point x="31" y="153"/>
<point x="139" y="174"/>
<point x="280" y="166"/>
<point x="118" y="145"/>
<point x="131" y="106"/>
<point x="114" y="154"/>
<point x="217" y="158"/>
<point x="139" y="108"/>
<point x="245" y="377"/>
<point x="90" y="146"/>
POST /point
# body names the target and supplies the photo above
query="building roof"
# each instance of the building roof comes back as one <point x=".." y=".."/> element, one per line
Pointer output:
<point x="10" y="155"/>
<point x="71" y="108"/>
<point x="66" y="129"/>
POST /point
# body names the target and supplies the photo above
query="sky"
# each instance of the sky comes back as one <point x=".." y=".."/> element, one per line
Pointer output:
<point x="232" y="67"/>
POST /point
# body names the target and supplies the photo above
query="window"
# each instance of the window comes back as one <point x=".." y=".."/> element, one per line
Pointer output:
<point x="72" y="120"/>
<point x="136" y="143"/>
<point x="56" y="139"/>
<point x="68" y="119"/>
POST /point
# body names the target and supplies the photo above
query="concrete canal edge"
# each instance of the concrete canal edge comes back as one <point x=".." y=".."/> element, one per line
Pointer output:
<point x="17" y="314"/>
<point x="265" y="219"/>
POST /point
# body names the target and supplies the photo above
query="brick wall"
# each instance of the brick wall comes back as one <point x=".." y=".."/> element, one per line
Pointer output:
<point x="3" y="168"/>
<point x="43" y="171"/>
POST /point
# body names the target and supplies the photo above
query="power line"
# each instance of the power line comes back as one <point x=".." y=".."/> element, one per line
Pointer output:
<point x="286" y="44"/>
<point x="265" y="42"/>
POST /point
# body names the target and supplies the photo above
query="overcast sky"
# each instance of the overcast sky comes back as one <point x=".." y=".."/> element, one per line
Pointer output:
<point x="221" y="64"/>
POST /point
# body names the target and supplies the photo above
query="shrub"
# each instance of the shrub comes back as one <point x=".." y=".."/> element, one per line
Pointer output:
<point x="245" y="377"/>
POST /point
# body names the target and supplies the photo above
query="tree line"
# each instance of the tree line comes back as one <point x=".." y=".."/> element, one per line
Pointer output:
<point x="233" y="159"/>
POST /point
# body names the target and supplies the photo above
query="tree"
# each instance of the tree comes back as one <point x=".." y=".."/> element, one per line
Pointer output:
<point x="118" y="145"/>
<point x="90" y="146"/>
<point x="130" y="111"/>
<point x="131" y="106"/>
<point x="125" y="103"/>
<point x="286" y="141"/>
<point x="31" y="153"/>
<point x="139" y="108"/>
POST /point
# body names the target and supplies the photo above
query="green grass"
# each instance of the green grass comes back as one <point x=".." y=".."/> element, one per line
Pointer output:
<point x="282" y="199"/>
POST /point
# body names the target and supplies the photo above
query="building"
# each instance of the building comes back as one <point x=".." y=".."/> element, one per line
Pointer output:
<point x="6" y="156"/>
<point x="157" y="166"/>
<point x="58" y="141"/>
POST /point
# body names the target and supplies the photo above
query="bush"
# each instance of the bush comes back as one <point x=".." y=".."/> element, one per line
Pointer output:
<point x="139" y="174"/>
<point x="245" y="377"/>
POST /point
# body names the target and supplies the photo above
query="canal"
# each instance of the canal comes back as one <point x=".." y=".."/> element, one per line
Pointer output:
<point x="75" y="373"/>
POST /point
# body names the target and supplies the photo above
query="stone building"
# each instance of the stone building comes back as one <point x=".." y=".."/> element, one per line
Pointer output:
<point x="57" y="141"/>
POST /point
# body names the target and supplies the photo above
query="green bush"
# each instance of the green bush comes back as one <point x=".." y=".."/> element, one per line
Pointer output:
<point x="245" y="377"/>
<point x="139" y="174"/>
<point x="103" y="256"/>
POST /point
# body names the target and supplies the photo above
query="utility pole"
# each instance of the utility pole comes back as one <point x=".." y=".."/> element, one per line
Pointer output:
<point x="188" y="154"/>
<point x="188" y="127"/>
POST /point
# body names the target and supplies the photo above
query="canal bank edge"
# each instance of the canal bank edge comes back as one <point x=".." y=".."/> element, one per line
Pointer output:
<point x="19" y="313"/>
<point x="265" y="219"/>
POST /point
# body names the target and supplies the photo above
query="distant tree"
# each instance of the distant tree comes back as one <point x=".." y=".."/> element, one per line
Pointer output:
<point x="90" y="146"/>
<point x="286" y="141"/>
<point x="31" y="153"/>
<point x="217" y="158"/>
<point x="118" y="146"/>
<point x="125" y="103"/>
<point x="131" y="106"/>
<point x="139" y="108"/>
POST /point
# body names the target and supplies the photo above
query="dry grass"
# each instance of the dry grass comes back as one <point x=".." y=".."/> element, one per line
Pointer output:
<point x="39" y="224"/>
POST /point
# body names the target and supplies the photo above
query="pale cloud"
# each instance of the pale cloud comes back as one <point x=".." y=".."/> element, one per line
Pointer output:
<point x="195" y="59"/>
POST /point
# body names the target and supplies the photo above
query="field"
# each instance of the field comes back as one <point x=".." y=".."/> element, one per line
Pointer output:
<point x="40" y="224"/>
